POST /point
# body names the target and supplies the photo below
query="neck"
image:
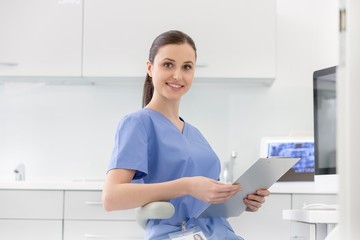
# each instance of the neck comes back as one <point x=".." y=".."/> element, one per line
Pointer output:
<point x="169" y="109"/>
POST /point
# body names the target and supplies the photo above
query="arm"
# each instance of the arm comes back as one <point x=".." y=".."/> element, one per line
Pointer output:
<point x="119" y="193"/>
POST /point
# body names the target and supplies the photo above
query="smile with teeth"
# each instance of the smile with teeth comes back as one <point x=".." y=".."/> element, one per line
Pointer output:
<point x="174" y="85"/>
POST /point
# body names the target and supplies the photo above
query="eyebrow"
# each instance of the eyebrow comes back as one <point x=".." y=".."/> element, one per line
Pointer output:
<point x="172" y="60"/>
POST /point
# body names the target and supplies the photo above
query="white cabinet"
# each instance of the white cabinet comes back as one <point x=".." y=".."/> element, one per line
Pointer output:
<point x="31" y="229"/>
<point x="78" y="214"/>
<point x="107" y="230"/>
<point x="40" y="37"/>
<point x="302" y="230"/>
<point x="87" y="205"/>
<point x="30" y="214"/>
<point x="31" y="204"/>
<point x="235" y="38"/>
<point x="85" y="218"/>
<point x="110" y="38"/>
<point x="267" y="223"/>
<point x="62" y="215"/>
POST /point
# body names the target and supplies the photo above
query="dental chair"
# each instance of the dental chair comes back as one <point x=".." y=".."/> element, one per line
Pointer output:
<point x="154" y="210"/>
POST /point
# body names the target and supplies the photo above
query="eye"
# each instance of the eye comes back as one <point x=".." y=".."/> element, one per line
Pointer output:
<point x="168" y="64"/>
<point x="187" y="67"/>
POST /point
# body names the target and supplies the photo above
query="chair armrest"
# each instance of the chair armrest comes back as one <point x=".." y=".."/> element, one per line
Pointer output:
<point x="154" y="210"/>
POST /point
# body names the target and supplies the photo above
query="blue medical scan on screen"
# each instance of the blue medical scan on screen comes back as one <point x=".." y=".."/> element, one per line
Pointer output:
<point x="304" y="150"/>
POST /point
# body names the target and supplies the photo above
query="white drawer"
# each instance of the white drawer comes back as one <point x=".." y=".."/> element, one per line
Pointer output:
<point x="88" y="205"/>
<point x="31" y="204"/>
<point x="31" y="229"/>
<point x="106" y="230"/>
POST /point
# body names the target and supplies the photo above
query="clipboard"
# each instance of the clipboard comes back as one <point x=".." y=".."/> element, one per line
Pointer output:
<point x="261" y="175"/>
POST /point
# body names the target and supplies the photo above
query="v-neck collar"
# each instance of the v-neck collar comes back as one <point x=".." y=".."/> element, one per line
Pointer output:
<point x="168" y="120"/>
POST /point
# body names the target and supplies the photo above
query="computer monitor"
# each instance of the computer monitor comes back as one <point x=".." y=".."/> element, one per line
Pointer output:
<point x="302" y="147"/>
<point x="324" y="87"/>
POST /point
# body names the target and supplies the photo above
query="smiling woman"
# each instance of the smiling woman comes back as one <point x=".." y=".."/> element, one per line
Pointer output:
<point x="174" y="41"/>
<point x="172" y="71"/>
<point x="171" y="159"/>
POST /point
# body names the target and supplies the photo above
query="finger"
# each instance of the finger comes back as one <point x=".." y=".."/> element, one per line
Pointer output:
<point x="224" y="195"/>
<point x="263" y="192"/>
<point x="230" y="188"/>
<point x="226" y="191"/>
<point x="256" y="198"/>
<point x="253" y="205"/>
<point x="217" y="200"/>
<point x="237" y="185"/>
<point x="220" y="196"/>
<point x="251" y="209"/>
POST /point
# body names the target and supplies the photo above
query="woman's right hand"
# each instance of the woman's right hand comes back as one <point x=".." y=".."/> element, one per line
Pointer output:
<point x="211" y="191"/>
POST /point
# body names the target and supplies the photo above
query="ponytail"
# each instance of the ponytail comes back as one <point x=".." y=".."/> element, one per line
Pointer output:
<point x="148" y="90"/>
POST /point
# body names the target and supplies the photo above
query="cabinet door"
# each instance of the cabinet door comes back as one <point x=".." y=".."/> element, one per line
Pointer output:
<point x="31" y="229"/>
<point x="267" y="223"/>
<point x="40" y="37"/>
<point x="235" y="38"/>
<point x="31" y="204"/>
<point x="87" y="205"/>
<point x="107" y="230"/>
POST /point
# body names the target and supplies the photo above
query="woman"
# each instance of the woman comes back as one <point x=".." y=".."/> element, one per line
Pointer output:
<point x="156" y="147"/>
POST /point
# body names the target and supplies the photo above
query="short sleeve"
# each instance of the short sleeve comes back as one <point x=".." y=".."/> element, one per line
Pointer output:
<point x="131" y="147"/>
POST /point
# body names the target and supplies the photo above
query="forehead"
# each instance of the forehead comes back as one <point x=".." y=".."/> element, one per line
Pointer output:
<point x="178" y="52"/>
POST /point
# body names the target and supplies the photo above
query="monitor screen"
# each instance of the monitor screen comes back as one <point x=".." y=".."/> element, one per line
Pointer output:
<point x="324" y="85"/>
<point x="302" y="147"/>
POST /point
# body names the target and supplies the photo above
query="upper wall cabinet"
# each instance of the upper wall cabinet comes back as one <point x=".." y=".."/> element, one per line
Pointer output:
<point x="40" y="37"/>
<point x="234" y="38"/>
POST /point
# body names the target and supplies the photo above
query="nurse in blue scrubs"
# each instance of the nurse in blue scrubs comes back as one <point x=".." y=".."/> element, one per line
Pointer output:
<point x="159" y="156"/>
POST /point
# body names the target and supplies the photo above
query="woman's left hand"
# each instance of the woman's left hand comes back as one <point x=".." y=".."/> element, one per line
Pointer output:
<point x="254" y="201"/>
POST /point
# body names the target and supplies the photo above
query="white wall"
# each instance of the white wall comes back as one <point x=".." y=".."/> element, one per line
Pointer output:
<point x="61" y="130"/>
<point x="68" y="131"/>
<point x="307" y="40"/>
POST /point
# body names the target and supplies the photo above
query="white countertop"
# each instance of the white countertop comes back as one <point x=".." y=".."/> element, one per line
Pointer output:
<point x="97" y="184"/>
<point x="53" y="184"/>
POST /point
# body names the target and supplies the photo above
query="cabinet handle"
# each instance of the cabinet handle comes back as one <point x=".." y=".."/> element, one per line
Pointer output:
<point x="93" y="203"/>
<point x="106" y="236"/>
<point x="97" y="236"/>
<point x="69" y="1"/>
<point x="9" y="64"/>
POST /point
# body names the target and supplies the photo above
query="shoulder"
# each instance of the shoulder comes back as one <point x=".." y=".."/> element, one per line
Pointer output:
<point x="139" y="115"/>
<point x="139" y="118"/>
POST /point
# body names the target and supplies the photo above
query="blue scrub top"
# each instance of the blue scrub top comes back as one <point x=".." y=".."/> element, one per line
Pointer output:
<point x="149" y="143"/>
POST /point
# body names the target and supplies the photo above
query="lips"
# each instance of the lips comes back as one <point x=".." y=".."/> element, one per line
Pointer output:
<point x="175" y="85"/>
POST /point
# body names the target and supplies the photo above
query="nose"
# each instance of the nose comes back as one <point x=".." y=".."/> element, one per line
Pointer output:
<point x="177" y="75"/>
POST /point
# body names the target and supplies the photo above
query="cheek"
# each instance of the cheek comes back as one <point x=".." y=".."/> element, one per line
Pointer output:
<point x="158" y="79"/>
<point x="160" y="75"/>
<point x="189" y="77"/>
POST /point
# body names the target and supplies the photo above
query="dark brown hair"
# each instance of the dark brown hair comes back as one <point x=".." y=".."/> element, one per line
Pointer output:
<point x="166" y="38"/>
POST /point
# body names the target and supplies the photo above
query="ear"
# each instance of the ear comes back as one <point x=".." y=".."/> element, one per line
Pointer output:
<point x="149" y="68"/>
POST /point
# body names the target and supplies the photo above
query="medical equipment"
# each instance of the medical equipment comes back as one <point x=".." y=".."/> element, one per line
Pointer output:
<point x="154" y="210"/>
